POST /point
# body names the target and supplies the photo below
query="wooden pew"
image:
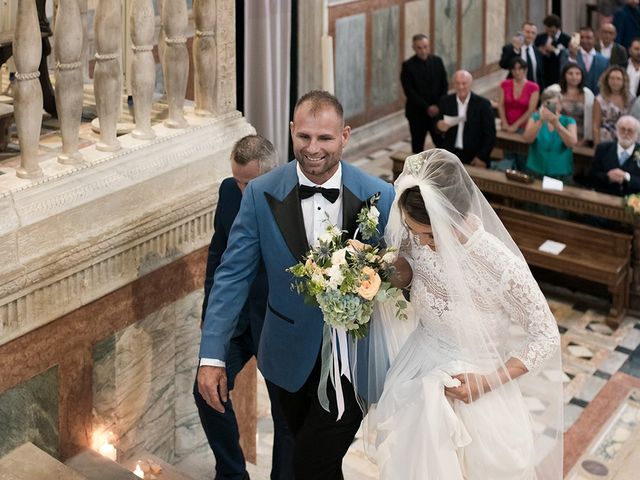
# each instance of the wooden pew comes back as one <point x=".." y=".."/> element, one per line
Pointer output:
<point x="594" y="254"/>
<point x="608" y="256"/>
<point x="513" y="142"/>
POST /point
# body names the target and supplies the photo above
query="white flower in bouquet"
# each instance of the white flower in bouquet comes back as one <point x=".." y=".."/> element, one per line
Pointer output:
<point x="339" y="257"/>
<point x="335" y="276"/>
<point x="389" y="257"/>
<point x="373" y="214"/>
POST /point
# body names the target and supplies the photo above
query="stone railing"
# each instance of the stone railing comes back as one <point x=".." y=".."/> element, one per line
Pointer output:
<point x="82" y="224"/>
<point x="108" y="32"/>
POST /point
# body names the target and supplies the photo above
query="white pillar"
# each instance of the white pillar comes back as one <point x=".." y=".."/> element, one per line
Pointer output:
<point x="176" y="60"/>
<point x="204" y="56"/>
<point x="143" y="71"/>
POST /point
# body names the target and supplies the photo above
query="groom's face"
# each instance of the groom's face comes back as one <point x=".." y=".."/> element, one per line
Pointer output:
<point x="318" y="137"/>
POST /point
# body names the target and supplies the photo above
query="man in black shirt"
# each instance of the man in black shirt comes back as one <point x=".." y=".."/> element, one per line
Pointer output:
<point x="424" y="81"/>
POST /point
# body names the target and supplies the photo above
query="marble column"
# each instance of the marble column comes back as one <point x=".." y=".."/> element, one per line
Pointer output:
<point x="143" y="70"/>
<point x="27" y="50"/>
<point x="204" y="56"/>
<point x="84" y="8"/>
<point x="69" y="91"/>
<point x="107" y="75"/>
<point x="176" y="60"/>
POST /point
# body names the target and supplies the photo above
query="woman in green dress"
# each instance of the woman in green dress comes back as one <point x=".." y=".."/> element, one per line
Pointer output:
<point x="551" y="136"/>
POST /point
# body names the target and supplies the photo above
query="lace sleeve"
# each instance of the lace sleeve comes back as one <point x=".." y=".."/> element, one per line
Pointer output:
<point x="527" y="306"/>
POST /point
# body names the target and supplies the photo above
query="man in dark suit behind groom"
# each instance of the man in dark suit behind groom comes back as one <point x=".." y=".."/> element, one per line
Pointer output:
<point x="251" y="156"/>
<point x="424" y="81"/>
<point x="468" y="123"/>
<point x="616" y="165"/>
<point x="282" y="213"/>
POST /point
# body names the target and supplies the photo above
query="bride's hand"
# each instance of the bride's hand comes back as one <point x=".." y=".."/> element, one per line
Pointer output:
<point x="472" y="386"/>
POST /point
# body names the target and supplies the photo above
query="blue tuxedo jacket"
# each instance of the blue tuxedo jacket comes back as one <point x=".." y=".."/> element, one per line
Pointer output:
<point x="252" y="313"/>
<point x="270" y="226"/>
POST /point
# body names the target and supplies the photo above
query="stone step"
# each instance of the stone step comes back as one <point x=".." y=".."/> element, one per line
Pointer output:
<point x="28" y="462"/>
<point x="96" y="467"/>
<point x="154" y="467"/>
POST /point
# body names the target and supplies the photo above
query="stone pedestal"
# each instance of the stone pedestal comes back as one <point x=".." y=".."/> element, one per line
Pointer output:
<point x="28" y="462"/>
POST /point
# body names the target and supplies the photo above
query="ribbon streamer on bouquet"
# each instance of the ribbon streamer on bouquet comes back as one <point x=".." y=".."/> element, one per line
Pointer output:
<point x="334" y="363"/>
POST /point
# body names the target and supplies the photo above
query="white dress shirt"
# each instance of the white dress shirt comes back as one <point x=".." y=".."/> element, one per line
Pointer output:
<point x="318" y="213"/>
<point x="462" y="112"/>
<point x="534" y="63"/>
<point x="634" y="78"/>
<point x="606" y="51"/>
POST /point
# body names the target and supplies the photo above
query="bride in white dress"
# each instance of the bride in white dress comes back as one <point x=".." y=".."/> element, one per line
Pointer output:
<point x="470" y="386"/>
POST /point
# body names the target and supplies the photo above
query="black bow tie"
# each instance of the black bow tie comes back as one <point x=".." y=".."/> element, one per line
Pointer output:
<point x="306" y="191"/>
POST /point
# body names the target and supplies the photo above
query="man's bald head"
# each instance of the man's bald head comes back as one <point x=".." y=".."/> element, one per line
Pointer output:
<point x="462" y="81"/>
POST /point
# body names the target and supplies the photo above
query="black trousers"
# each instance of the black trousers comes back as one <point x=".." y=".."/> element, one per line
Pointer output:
<point x="419" y="127"/>
<point x="321" y="442"/>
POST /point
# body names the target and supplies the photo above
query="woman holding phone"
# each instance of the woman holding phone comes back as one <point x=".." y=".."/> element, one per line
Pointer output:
<point x="551" y="136"/>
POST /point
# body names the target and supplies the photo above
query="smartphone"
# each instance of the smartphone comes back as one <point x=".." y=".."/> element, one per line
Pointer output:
<point x="550" y="106"/>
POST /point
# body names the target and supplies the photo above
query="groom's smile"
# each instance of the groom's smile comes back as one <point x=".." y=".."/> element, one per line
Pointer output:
<point x="319" y="136"/>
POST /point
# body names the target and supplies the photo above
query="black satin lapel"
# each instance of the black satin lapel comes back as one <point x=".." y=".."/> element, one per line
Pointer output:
<point x="351" y="206"/>
<point x="288" y="215"/>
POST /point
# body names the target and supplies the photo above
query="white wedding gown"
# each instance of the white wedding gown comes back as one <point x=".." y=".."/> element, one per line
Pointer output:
<point x="418" y="433"/>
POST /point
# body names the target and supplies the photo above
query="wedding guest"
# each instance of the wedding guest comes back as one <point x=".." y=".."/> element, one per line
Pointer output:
<point x="517" y="102"/>
<point x="474" y="136"/>
<point x="251" y="156"/>
<point x="552" y="135"/>
<point x="591" y="62"/>
<point x="627" y="23"/>
<point x="633" y="67"/>
<point x="282" y="213"/>
<point x="551" y="43"/>
<point x="523" y="46"/>
<point x="577" y="100"/>
<point x="613" y="102"/>
<point x="612" y="51"/>
<point x="616" y="165"/>
<point x="424" y="81"/>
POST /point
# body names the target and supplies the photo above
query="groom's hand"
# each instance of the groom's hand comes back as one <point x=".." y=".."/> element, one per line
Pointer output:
<point x="212" y="384"/>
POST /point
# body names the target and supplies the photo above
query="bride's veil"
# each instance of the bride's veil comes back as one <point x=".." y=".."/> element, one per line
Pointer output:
<point x="458" y="214"/>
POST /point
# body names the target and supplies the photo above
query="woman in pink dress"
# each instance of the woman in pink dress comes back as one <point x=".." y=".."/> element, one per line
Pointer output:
<point x="518" y="100"/>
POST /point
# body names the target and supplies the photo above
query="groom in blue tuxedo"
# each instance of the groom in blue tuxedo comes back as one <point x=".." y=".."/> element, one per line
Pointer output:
<point x="251" y="156"/>
<point x="282" y="213"/>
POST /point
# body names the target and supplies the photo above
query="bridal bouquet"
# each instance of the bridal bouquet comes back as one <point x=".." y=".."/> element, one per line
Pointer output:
<point x="344" y="277"/>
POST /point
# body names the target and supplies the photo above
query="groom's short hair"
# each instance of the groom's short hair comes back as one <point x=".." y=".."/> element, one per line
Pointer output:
<point x="255" y="147"/>
<point x="320" y="99"/>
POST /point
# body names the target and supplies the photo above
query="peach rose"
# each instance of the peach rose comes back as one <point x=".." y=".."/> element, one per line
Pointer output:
<point x="369" y="287"/>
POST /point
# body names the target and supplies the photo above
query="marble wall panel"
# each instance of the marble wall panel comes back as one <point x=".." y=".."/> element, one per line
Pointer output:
<point x="29" y="413"/>
<point x="189" y="436"/>
<point x="446" y="42"/>
<point x="104" y="383"/>
<point x="145" y="390"/>
<point x="134" y="384"/>
<point x="495" y="28"/>
<point x="416" y="20"/>
<point x="349" y="63"/>
<point x="386" y="38"/>
<point x="517" y="15"/>
<point x="471" y="34"/>
<point x="537" y="12"/>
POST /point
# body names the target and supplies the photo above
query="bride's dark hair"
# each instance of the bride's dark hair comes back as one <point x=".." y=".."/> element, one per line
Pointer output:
<point x="448" y="180"/>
